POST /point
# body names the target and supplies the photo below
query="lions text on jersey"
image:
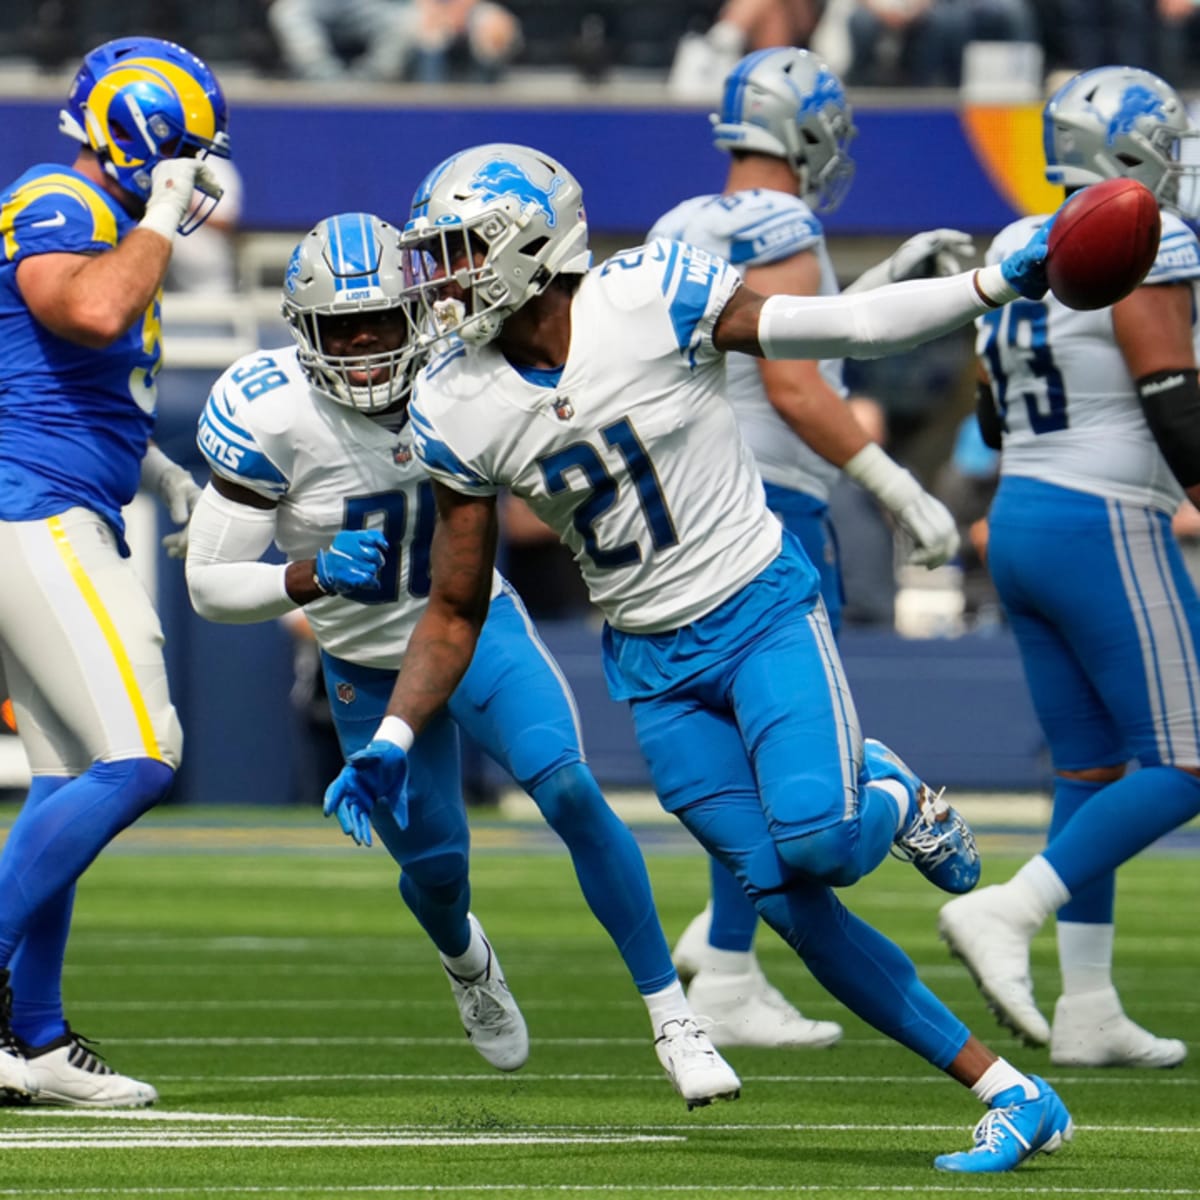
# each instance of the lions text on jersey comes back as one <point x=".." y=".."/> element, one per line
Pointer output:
<point x="328" y="468"/>
<point x="753" y="229"/>
<point x="1069" y="409"/>
<point x="74" y="421"/>
<point x="633" y="458"/>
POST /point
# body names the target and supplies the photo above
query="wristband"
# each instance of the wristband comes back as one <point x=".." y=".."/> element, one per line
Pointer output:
<point x="395" y="730"/>
<point x="161" y="218"/>
<point x="992" y="288"/>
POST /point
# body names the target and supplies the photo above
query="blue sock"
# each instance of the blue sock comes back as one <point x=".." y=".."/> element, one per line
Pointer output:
<point x="440" y="909"/>
<point x="734" y="918"/>
<point x="1094" y="903"/>
<point x="869" y="974"/>
<point x="878" y="818"/>
<point x="52" y="843"/>
<point x="37" y="966"/>
<point x="611" y="872"/>
<point x="1121" y="820"/>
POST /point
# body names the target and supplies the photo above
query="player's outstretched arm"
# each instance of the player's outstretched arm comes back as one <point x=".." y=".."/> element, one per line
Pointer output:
<point x="884" y="321"/>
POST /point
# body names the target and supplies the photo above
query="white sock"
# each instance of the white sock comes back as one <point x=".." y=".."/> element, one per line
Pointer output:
<point x="1085" y="954"/>
<point x="900" y="794"/>
<point x="1035" y="891"/>
<point x="473" y="961"/>
<point x="670" y="1004"/>
<point x="999" y="1077"/>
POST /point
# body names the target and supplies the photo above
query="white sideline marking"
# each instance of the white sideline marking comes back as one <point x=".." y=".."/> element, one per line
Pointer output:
<point x="115" y="1140"/>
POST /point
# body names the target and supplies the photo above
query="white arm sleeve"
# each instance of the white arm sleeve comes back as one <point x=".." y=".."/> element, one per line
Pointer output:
<point x="225" y="580"/>
<point x="884" y="321"/>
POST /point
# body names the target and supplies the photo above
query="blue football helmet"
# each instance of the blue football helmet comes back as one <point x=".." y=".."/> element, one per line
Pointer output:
<point x="519" y="209"/>
<point x="787" y="103"/>
<point x="1120" y="121"/>
<point x="136" y="101"/>
<point x="352" y="267"/>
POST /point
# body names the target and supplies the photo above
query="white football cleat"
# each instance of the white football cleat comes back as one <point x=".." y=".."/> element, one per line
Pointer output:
<point x="69" y="1072"/>
<point x="699" y="1074"/>
<point x="489" y="1013"/>
<point x="692" y="947"/>
<point x="16" y="1084"/>
<point x="745" y="1010"/>
<point x="1092" y="1030"/>
<point x="994" y="947"/>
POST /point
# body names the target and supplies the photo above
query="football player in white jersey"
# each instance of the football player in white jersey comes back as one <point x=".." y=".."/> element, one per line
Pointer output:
<point x="311" y="447"/>
<point x="1098" y="414"/>
<point x="598" y="396"/>
<point x="787" y="126"/>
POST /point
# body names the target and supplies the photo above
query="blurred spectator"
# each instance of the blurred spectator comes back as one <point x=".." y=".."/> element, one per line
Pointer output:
<point x="865" y="541"/>
<point x="966" y="485"/>
<point x="1178" y="36"/>
<point x="538" y="565"/>
<point x="703" y="60"/>
<point x="920" y="42"/>
<point x="336" y="39"/>
<point x="476" y="39"/>
<point x="205" y="262"/>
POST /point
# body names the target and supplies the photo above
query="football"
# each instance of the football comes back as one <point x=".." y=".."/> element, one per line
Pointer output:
<point x="1102" y="243"/>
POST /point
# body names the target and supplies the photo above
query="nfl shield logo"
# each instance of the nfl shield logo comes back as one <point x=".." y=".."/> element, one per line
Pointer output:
<point x="563" y="408"/>
<point x="402" y="454"/>
<point x="345" y="692"/>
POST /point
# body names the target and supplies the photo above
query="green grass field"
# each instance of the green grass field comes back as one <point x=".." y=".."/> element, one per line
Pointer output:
<point x="268" y="980"/>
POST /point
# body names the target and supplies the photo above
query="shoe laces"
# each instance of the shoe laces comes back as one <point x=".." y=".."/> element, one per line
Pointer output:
<point x="688" y="1035"/>
<point x="84" y="1055"/>
<point x="995" y="1127"/>
<point x="932" y="834"/>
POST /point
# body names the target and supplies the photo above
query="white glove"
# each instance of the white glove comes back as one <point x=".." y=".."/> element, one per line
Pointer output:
<point x="172" y="184"/>
<point x="926" y="520"/>
<point x="935" y="252"/>
<point x="176" y="488"/>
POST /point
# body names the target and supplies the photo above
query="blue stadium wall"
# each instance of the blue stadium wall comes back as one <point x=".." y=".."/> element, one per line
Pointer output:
<point x="957" y="707"/>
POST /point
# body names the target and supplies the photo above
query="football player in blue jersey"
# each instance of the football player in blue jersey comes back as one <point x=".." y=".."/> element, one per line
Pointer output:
<point x="311" y="447"/>
<point x="787" y="126"/>
<point x="1098" y="414"/>
<point x="598" y="396"/>
<point x="83" y="253"/>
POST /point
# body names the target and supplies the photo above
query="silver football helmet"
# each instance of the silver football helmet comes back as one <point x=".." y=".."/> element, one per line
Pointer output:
<point x="789" y="104"/>
<point x="1120" y="121"/>
<point x="499" y="222"/>
<point x="349" y="278"/>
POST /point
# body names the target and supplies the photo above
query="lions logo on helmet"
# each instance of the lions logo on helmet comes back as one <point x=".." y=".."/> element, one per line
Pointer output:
<point x="1120" y="122"/>
<point x="787" y="103"/>
<point x="500" y="222"/>
<point x="137" y="101"/>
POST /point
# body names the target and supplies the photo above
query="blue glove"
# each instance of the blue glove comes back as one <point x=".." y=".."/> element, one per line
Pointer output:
<point x="377" y="774"/>
<point x="353" y="562"/>
<point x="1025" y="269"/>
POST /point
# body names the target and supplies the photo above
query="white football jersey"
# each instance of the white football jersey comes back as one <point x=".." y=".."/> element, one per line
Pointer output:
<point x="634" y="456"/>
<point x="328" y="467"/>
<point x="1071" y="412"/>
<point x="753" y="229"/>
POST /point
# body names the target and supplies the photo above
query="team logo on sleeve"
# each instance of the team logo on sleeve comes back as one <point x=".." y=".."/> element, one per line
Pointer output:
<point x="503" y="178"/>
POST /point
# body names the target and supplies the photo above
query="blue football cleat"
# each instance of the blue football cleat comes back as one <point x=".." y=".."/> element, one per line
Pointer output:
<point x="1013" y="1129"/>
<point x="936" y="840"/>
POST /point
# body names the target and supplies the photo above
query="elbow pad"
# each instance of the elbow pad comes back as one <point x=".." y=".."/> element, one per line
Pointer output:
<point x="1171" y="403"/>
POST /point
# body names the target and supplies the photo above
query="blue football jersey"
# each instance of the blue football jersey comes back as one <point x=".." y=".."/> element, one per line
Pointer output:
<point x="74" y="421"/>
